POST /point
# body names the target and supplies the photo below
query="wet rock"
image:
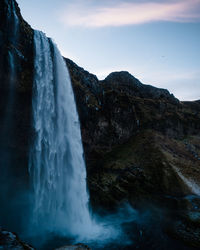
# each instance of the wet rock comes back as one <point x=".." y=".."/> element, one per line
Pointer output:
<point x="187" y="233"/>
<point x="10" y="241"/>
<point x="185" y="221"/>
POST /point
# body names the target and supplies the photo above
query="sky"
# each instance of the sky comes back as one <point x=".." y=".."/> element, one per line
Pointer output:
<point x="157" y="41"/>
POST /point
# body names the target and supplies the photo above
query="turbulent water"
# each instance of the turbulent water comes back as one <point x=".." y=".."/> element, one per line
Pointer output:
<point x="56" y="163"/>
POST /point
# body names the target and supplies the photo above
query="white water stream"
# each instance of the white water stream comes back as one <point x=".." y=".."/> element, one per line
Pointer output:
<point x="56" y="161"/>
<point x="191" y="184"/>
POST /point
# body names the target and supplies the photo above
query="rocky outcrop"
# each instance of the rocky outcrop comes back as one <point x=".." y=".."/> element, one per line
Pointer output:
<point x="10" y="241"/>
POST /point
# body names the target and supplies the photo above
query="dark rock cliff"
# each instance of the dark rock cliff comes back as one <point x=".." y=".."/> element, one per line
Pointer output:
<point x="16" y="67"/>
<point x="142" y="145"/>
<point x="133" y="135"/>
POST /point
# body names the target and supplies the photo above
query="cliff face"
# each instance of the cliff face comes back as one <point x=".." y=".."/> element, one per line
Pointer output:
<point x="136" y="137"/>
<point x="142" y="145"/>
<point x="16" y="67"/>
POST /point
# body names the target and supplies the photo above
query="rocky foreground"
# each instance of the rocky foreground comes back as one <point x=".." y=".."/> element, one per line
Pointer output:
<point x="10" y="241"/>
<point x="142" y="145"/>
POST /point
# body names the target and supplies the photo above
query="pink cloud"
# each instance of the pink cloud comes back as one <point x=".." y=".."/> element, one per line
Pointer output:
<point x="130" y="13"/>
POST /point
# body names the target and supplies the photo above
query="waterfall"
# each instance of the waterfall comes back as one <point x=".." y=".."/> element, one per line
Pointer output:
<point x="56" y="162"/>
<point x="191" y="184"/>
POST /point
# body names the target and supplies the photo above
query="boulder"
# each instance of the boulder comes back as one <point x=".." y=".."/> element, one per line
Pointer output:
<point x="10" y="241"/>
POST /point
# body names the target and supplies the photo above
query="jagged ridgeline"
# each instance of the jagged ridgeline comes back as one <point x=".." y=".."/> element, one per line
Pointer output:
<point x="141" y="145"/>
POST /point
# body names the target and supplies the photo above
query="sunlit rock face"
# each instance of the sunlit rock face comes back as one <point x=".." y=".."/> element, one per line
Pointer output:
<point x="16" y="66"/>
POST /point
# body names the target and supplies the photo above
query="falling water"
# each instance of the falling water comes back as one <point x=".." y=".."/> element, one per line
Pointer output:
<point x="191" y="184"/>
<point x="56" y="163"/>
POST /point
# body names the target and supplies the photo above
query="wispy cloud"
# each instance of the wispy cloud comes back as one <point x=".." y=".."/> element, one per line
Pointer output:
<point x="92" y="14"/>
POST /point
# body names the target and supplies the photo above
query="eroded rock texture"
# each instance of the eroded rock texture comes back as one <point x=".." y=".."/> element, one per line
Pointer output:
<point x="139" y="140"/>
<point x="142" y="145"/>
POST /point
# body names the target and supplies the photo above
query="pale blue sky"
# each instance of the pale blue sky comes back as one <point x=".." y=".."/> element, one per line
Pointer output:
<point x="156" y="41"/>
